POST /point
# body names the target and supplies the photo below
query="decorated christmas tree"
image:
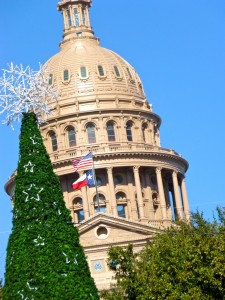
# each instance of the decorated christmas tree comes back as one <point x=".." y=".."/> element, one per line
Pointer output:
<point x="44" y="257"/>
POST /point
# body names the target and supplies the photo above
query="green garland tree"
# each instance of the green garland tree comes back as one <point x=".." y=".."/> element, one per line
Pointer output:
<point x="44" y="257"/>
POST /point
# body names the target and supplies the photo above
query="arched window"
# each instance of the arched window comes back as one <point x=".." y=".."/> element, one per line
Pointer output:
<point x="101" y="71"/>
<point x="66" y="75"/>
<point x="111" y="131"/>
<point x="144" y="131"/>
<point x="101" y="198"/>
<point x="83" y="72"/>
<point x="129" y="131"/>
<point x="71" y="136"/>
<point x="116" y="71"/>
<point x="120" y="196"/>
<point x="91" y="133"/>
<point x="77" y="201"/>
<point x="54" y="141"/>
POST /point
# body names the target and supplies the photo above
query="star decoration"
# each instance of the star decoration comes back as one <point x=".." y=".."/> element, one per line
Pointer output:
<point x="29" y="167"/>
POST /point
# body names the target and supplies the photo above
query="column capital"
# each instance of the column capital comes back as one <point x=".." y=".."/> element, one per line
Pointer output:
<point x="136" y="168"/>
<point x="109" y="170"/>
<point x="175" y="172"/>
<point x="158" y="170"/>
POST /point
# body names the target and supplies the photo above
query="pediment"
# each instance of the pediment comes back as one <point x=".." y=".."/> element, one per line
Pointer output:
<point x="102" y="229"/>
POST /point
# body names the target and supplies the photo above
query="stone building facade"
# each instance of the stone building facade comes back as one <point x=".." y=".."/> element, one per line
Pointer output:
<point x="101" y="107"/>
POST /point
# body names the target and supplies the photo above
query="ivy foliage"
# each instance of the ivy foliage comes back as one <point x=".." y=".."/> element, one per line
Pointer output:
<point x="44" y="257"/>
<point x="186" y="262"/>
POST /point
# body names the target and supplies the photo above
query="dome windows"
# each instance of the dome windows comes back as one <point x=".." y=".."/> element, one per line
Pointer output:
<point x="129" y="126"/>
<point x="83" y="72"/>
<point x="76" y="17"/>
<point x="91" y="133"/>
<point x="66" y="75"/>
<point x="111" y="131"/>
<point x="71" y="136"/>
<point x="69" y="18"/>
<point x="101" y="72"/>
<point x="50" y="79"/>
<point x="83" y="16"/>
<point x="116" y="71"/>
<point x="53" y="141"/>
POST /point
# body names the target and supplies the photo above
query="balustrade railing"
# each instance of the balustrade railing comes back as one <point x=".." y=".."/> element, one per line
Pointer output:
<point x="108" y="148"/>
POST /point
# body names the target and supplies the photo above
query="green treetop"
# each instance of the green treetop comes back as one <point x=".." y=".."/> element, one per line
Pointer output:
<point x="186" y="262"/>
<point x="44" y="257"/>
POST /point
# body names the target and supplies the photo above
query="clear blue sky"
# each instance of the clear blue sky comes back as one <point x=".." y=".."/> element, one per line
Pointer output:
<point x="178" y="49"/>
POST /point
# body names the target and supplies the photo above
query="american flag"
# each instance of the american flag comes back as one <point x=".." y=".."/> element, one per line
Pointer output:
<point x="83" y="162"/>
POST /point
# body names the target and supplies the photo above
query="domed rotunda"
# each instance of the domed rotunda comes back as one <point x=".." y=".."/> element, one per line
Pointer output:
<point x="102" y="108"/>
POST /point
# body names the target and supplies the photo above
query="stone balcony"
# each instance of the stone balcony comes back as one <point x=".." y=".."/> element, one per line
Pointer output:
<point x="103" y="148"/>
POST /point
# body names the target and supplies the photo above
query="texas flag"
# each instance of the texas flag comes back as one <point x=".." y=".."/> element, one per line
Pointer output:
<point x="85" y="180"/>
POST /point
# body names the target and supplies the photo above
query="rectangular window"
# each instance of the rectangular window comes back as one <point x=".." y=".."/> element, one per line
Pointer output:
<point x="66" y="75"/>
<point x="50" y="79"/>
<point x="69" y="18"/>
<point x="117" y="72"/>
<point x="76" y="18"/>
<point x="121" y="211"/>
<point x="80" y="215"/>
<point x="83" y="16"/>
<point x="83" y="72"/>
<point x="100" y="70"/>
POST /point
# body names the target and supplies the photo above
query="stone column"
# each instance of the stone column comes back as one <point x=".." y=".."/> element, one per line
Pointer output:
<point x="177" y="196"/>
<point x="91" y="202"/>
<point x="123" y="134"/>
<point x="161" y="193"/>
<point x="134" y="216"/>
<point x="185" y="199"/>
<point x="65" y="19"/>
<point x="139" y="192"/>
<point x="112" y="192"/>
<point x="149" y="191"/>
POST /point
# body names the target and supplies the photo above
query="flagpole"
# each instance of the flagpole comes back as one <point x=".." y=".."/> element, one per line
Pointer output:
<point x="93" y="170"/>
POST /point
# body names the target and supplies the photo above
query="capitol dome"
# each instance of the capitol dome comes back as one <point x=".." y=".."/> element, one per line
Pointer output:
<point x="84" y="68"/>
<point x="101" y="109"/>
<point x="93" y="76"/>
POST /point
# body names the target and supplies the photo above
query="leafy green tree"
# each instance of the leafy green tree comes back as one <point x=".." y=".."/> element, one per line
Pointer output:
<point x="44" y="257"/>
<point x="185" y="262"/>
<point x="123" y="262"/>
